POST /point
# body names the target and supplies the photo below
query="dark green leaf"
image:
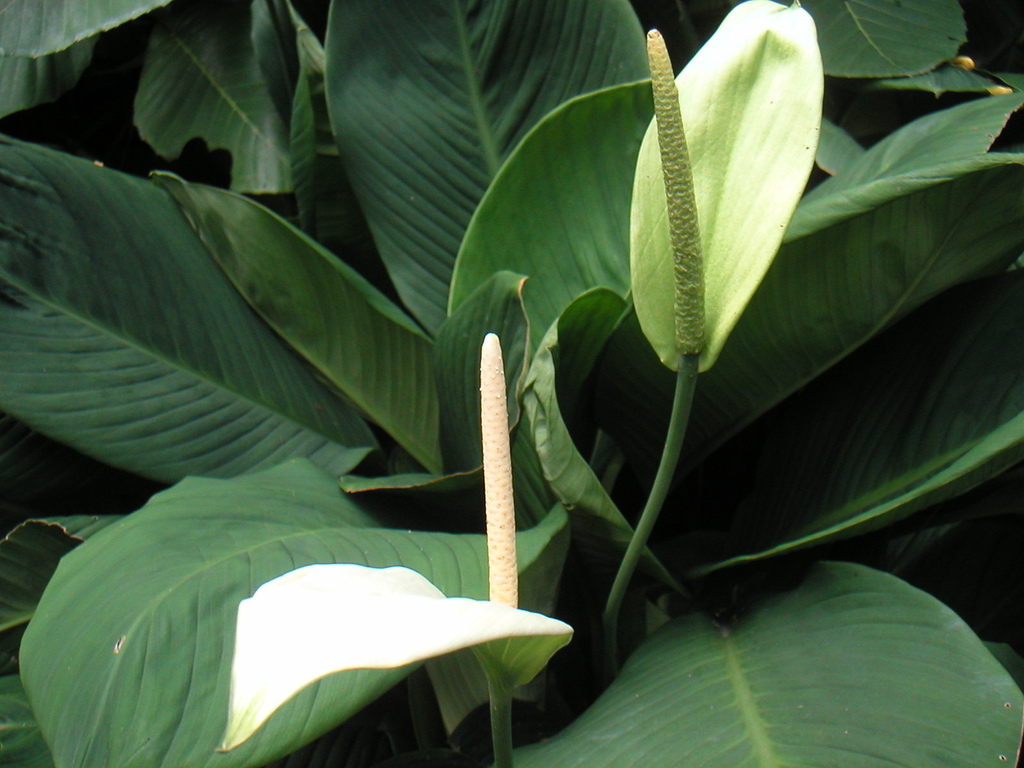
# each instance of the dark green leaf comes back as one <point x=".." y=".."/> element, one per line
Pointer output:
<point x="203" y="77"/>
<point x="28" y="557"/>
<point x="35" y="468"/>
<point x="975" y="568"/>
<point x="427" y="107"/>
<point x="886" y="38"/>
<point x="151" y="661"/>
<point x="929" y="410"/>
<point x="120" y="336"/>
<point x="364" y="345"/>
<point x="599" y="528"/>
<point x="940" y="81"/>
<point x="854" y="668"/>
<point x="825" y="295"/>
<point x="495" y="307"/>
<point x="21" y="744"/>
<point x="932" y="149"/>
<point x="38" y="27"/>
<point x="26" y="82"/>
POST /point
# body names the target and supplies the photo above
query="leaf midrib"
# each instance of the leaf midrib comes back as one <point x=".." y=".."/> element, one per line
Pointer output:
<point x="485" y="133"/>
<point x="750" y="715"/>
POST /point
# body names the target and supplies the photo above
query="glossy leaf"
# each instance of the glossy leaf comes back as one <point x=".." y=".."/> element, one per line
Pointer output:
<point x="852" y="668"/>
<point x="120" y="337"/>
<point x="323" y="619"/>
<point x="564" y="224"/>
<point x="751" y="109"/>
<point x="37" y="27"/>
<point x="886" y="38"/>
<point x="26" y="82"/>
<point x="426" y="110"/>
<point x="361" y="342"/>
<point x="931" y="409"/>
<point x="153" y="658"/>
<point x="202" y="77"/>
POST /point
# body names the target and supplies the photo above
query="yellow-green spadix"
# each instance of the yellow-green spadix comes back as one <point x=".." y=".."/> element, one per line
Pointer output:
<point x="750" y="102"/>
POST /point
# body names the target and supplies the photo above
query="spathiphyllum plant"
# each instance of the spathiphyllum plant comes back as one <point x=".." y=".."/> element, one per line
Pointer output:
<point x="753" y="428"/>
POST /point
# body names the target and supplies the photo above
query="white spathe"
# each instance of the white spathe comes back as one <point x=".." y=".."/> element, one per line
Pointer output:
<point x="322" y="619"/>
<point x="751" y="103"/>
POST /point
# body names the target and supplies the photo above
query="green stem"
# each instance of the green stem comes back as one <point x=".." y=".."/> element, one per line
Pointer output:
<point x="501" y="723"/>
<point x="686" y="380"/>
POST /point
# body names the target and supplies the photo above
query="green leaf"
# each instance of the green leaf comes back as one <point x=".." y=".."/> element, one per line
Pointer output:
<point x="120" y="336"/>
<point x="324" y="619"/>
<point x="853" y="668"/>
<point x="495" y="307"/>
<point x="939" y="81"/>
<point x="931" y="409"/>
<point x="837" y="150"/>
<point x="35" y="28"/>
<point x="34" y="468"/>
<point x="600" y="530"/>
<point x="974" y="568"/>
<point x="151" y="661"/>
<point x="751" y="108"/>
<point x="880" y="267"/>
<point x="906" y="244"/>
<point x="886" y="38"/>
<point x="582" y="201"/>
<point x="932" y="149"/>
<point x="428" y="107"/>
<point x="28" y="557"/>
<point x="202" y="77"/>
<point x="26" y="82"/>
<point x="22" y="745"/>
<point x="362" y="343"/>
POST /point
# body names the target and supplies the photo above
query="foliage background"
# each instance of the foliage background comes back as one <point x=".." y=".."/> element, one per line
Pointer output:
<point x="862" y="425"/>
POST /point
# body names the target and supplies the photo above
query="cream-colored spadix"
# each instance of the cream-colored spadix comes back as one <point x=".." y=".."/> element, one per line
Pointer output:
<point x="750" y="101"/>
<point x="322" y="619"/>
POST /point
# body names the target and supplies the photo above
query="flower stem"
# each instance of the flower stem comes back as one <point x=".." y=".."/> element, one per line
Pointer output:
<point x="686" y="380"/>
<point x="501" y="724"/>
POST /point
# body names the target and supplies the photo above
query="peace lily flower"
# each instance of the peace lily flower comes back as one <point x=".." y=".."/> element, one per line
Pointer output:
<point x="750" y="102"/>
<point x="321" y="619"/>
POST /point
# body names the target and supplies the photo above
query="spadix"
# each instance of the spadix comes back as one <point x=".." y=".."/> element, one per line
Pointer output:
<point x="750" y="101"/>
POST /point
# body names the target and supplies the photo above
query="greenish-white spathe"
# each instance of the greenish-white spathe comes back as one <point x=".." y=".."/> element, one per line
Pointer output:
<point x="321" y="619"/>
<point x="751" y="106"/>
